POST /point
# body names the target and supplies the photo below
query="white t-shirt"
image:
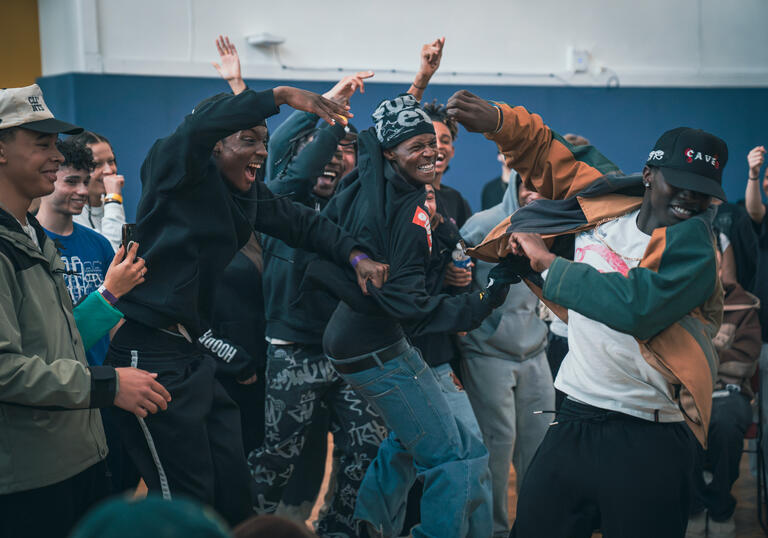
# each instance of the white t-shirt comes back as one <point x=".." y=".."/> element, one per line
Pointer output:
<point x="604" y="368"/>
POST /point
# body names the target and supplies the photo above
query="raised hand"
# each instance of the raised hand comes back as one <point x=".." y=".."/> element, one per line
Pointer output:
<point x="755" y="160"/>
<point x="474" y="113"/>
<point x="345" y="88"/>
<point x="125" y="272"/>
<point x="328" y="110"/>
<point x="113" y="184"/>
<point x="229" y="69"/>
<point x="431" y="54"/>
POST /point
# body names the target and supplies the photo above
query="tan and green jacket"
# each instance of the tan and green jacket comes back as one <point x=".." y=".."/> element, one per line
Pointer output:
<point x="672" y="303"/>
<point x="50" y="429"/>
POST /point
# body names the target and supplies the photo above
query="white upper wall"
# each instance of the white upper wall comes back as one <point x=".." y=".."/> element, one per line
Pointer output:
<point x="643" y="43"/>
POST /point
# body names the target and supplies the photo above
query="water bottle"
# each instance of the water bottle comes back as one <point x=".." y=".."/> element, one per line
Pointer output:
<point x="459" y="256"/>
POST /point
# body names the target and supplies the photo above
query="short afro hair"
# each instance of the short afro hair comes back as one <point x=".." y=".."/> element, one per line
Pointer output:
<point x="438" y="112"/>
<point x="76" y="155"/>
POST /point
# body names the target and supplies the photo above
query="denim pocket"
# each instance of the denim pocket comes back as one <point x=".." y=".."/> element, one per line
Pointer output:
<point x="399" y="416"/>
<point x="447" y="383"/>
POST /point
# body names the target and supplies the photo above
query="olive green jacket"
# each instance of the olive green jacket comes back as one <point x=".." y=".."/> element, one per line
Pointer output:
<point x="50" y="429"/>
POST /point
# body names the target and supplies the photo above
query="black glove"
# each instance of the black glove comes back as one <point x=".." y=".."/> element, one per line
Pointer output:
<point x="494" y="294"/>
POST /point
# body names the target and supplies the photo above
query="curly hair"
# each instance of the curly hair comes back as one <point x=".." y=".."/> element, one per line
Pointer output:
<point x="76" y="155"/>
<point x="438" y="112"/>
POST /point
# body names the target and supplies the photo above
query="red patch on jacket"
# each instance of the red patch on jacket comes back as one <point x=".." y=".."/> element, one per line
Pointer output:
<point x="421" y="218"/>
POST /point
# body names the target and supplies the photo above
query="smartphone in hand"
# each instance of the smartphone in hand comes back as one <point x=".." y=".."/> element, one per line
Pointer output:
<point x="129" y="233"/>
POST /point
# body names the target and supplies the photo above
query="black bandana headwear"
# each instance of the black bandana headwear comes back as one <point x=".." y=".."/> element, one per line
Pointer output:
<point x="399" y="119"/>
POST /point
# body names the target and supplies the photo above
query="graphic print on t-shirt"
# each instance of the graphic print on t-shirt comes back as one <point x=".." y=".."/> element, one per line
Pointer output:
<point x="86" y="255"/>
<point x="82" y="277"/>
<point x="614" y="260"/>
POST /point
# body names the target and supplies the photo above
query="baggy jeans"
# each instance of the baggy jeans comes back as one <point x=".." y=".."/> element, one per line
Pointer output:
<point x="428" y="440"/>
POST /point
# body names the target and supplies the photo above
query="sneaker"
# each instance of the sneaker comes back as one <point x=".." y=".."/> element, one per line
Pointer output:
<point x="722" y="529"/>
<point x="697" y="525"/>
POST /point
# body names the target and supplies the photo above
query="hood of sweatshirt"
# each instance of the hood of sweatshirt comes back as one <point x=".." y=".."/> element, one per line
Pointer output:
<point x="514" y="330"/>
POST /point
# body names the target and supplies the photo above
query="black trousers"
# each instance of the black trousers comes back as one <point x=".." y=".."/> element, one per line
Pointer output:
<point x="599" y="469"/>
<point x="194" y="448"/>
<point x="52" y="511"/>
<point x="731" y="416"/>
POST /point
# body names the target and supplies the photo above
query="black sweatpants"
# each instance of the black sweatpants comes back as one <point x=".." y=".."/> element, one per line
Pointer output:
<point x="52" y="511"/>
<point x="601" y="469"/>
<point x="194" y="448"/>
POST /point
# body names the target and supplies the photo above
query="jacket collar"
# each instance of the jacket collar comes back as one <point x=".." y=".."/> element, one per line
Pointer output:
<point x="11" y="229"/>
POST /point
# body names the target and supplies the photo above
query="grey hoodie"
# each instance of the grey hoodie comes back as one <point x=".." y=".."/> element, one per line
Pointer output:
<point x="513" y="331"/>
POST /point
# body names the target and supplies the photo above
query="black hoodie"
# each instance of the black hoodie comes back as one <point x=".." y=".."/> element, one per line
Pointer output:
<point x="190" y="224"/>
<point x="386" y="212"/>
<point x="288" y="318"/>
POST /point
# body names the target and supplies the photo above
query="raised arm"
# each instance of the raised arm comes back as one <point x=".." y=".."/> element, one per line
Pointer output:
<point x="431" y="55"/>
<point x="300" y="175"/>
<point x="297" y="173"/>
<point x="216" y="118"/>
<point x="229" y="69"/>
<point x="114" y="213"/>
<point x="280" y="140"/>
<point x="546" y="162"/>
<point x="753" y="200"/>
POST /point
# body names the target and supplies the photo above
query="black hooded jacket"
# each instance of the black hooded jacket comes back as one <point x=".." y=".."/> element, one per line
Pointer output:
<point x="288" y="318"/>
<point x="386" y="212"/>
<point x="190" y="224"/>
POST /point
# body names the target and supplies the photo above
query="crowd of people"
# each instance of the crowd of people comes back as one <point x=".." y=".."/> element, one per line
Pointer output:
<point x="577" y="356"/>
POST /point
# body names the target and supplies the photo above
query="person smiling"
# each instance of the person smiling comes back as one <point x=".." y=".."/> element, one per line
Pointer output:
<point x="52" y="444"/>
<point x="86" y="254"/>
<point x="104" y="210"/>
<point x="383" y="202"/>
<point x="199" y="205"/>
<point x="88" y="258"/>
<point x="642" y="300"/>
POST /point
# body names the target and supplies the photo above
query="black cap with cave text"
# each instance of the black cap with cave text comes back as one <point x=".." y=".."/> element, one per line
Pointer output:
<point x="691" y="159"/>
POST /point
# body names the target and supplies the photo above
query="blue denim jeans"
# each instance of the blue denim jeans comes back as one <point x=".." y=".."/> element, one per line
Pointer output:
<point x="427" y="439"/>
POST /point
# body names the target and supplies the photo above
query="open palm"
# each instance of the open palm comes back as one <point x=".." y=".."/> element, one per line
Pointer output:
<point x="229" y="69"/>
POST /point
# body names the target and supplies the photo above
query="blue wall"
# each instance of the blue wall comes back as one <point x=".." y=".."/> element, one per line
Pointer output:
<point x="133" y="111"/>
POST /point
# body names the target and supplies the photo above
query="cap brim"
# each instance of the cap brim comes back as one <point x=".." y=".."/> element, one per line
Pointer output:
<point x="51" y="126"/>
<point x="693" y="182"/>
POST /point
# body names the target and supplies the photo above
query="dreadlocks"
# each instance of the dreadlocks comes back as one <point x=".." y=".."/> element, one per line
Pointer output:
<point x="438" y="112"/>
